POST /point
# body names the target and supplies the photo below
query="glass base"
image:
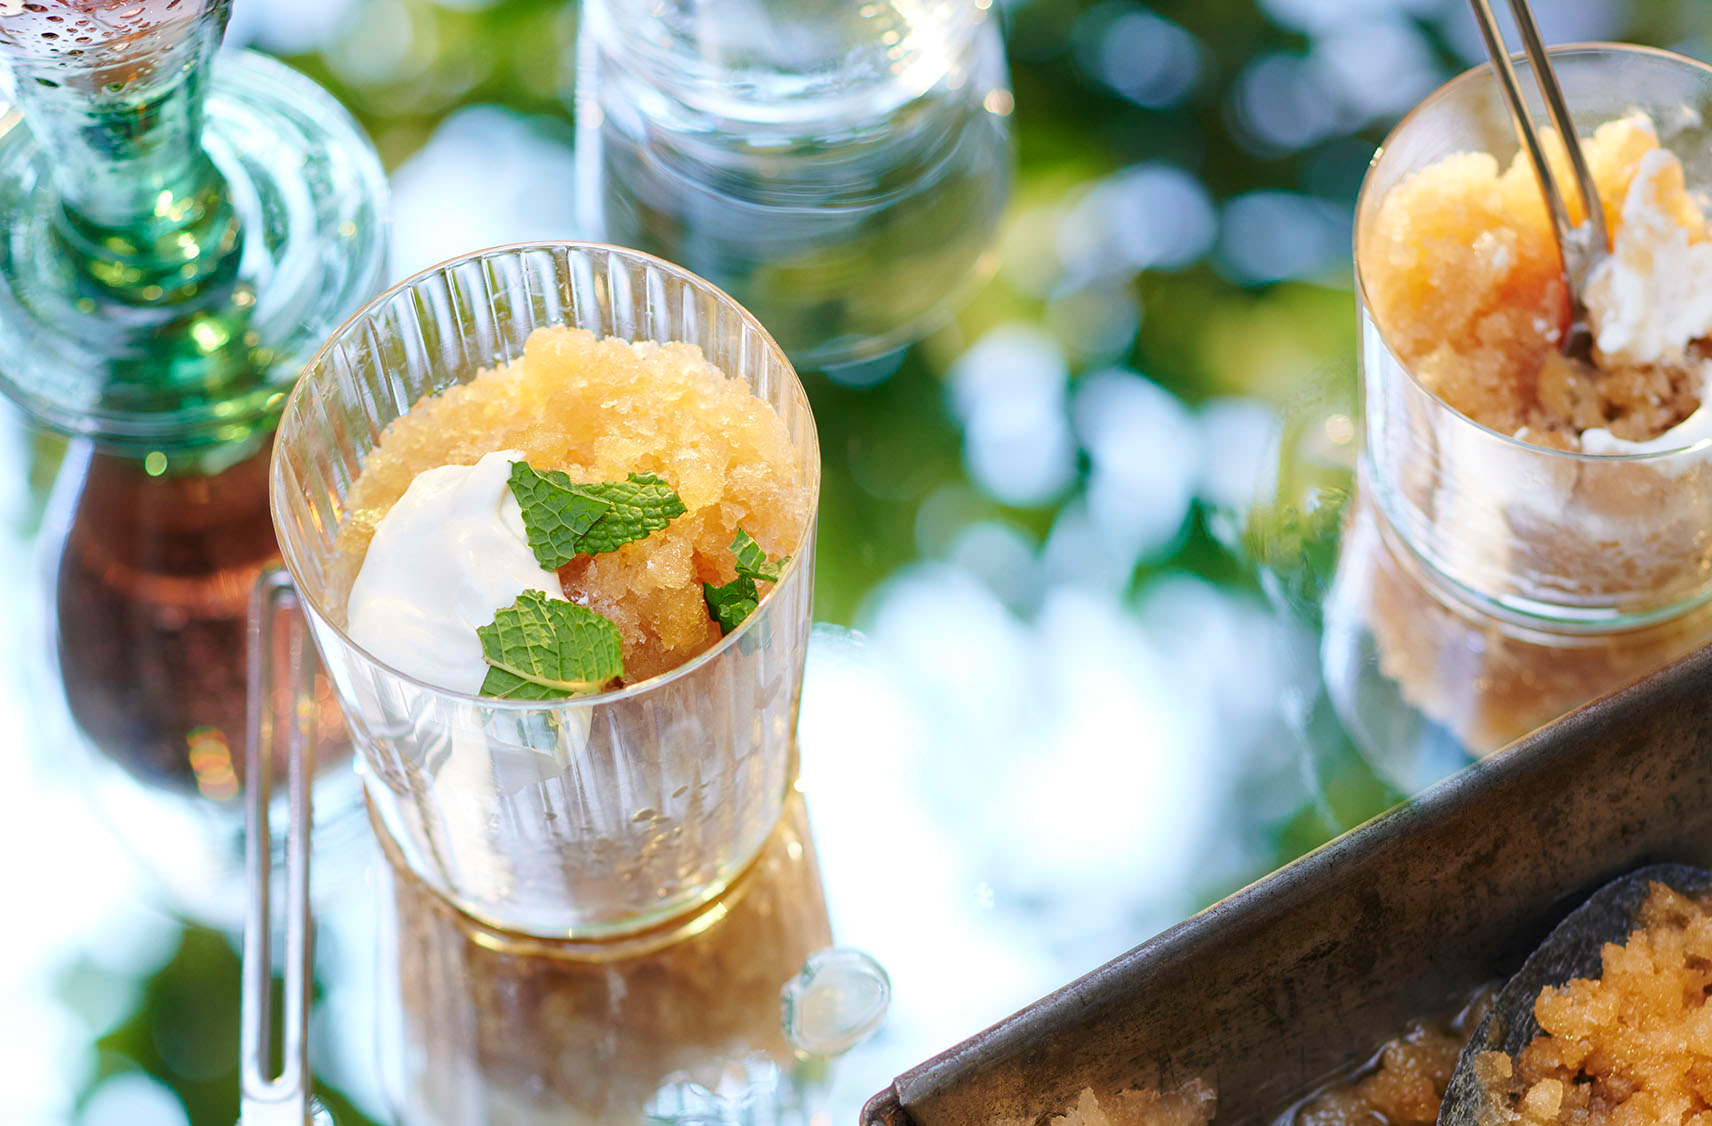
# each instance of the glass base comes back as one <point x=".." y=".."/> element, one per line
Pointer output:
<point x="646" y="935"/>
<point x="311" y="197"/>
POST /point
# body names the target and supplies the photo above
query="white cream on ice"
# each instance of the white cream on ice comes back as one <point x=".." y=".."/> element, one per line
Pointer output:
<point x="444" y="558"/>
<point x="1653" y="294"/>
<point x="1649" y="299"/>
<point x="1692" y="430"/>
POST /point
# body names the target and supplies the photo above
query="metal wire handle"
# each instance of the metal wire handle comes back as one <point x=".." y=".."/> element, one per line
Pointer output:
<point x="282" y="1100"/>
<point x="1580" y="246"/>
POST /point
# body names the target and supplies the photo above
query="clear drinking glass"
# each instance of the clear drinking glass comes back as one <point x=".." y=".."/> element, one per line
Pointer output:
<point x="578" y="818"/>
<point x="839" y="167"/>
<point x="1571" y="541"/>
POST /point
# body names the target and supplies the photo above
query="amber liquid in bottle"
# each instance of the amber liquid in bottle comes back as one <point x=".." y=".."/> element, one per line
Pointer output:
<point x="151" y="603"/>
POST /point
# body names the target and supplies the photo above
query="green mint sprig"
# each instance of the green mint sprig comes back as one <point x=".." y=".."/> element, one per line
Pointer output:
<point x="541" y="648"/>
<point x="731" y="603"/>
<point x="564" y="519"/>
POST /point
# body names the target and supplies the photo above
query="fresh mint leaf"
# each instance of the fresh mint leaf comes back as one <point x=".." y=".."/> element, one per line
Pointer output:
<point x="730" y="604"/>
<point x="564" y="519"/>
<point x="752" y="561"/>
<point x="637" y="507"/>
<point x="736" y="600"/>
<point x="541" y="648"/>
<point x="556" y="513"/>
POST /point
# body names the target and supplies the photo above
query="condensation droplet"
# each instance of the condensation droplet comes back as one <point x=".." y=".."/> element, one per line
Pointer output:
<point x="837" y="1001"/>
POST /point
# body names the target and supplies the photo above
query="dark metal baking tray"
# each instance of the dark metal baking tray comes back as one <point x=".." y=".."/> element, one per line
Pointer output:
<point x="1298" y="977"/>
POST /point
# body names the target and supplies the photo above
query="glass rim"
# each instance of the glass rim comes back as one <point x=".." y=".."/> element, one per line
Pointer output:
<point x="1478" y="73"/>
<point x="314" y="603"/>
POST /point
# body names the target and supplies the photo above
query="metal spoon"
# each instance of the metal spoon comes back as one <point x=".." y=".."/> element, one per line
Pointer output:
<point x="1572" y="950"/>
<point x="267" y="1099"/>
<point x="1580" y="246"/>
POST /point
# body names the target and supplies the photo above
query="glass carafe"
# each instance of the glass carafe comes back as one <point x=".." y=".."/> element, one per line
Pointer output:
<point x="181" y="227"/>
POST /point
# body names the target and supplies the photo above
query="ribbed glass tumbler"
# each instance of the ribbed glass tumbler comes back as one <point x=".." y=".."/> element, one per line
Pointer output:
<point x="591" y="816"/>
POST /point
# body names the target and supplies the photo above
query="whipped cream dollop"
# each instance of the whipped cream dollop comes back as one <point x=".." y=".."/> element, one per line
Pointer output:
<point x="449" y="554"/>
<point x="1651" y="297"/>
<point x="1652" y="294"/>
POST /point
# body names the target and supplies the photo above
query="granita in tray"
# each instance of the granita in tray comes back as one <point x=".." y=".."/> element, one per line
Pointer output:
<point x="592" y="514"/>
<point x="1463" y="276"/>
<point x="1632" y="1046"/>
<point x="1404" y="1085"/>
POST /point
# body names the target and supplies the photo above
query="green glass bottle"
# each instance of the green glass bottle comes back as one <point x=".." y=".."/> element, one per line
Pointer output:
<point x="179" y="231"/>
<point x="181" y="227"/>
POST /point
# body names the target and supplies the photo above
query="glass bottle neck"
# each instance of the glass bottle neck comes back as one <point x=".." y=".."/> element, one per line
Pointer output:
<point x="146" y="218"/>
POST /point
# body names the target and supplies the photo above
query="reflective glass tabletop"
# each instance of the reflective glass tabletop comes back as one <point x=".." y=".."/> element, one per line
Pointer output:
<point x="1069" y="684"/>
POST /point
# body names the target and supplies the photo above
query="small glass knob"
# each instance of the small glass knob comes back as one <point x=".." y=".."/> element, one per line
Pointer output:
<point x="837" y="1001"/>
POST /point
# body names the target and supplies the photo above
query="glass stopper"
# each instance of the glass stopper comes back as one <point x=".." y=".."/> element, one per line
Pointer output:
<point x="837" y="1001"/>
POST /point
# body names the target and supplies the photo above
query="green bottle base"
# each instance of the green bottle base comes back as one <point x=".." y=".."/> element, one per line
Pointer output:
<point x="310" y="198"/>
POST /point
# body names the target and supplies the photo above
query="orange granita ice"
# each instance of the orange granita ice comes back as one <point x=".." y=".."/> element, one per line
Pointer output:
<point x="599" y="410"/>
<point x="1188" y="1104"/>
<point x="1635" y="1046"/>
<point x="1405" y="1085"/>
<point x="1462" y="274"/>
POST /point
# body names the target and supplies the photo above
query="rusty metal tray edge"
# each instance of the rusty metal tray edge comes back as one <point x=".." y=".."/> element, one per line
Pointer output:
<point x="1397" y="918"/>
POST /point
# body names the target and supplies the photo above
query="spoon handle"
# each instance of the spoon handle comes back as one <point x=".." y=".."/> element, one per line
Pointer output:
<point x="1579" y="246"/>
<point x="1558" y="108"/>
<point x="267" y="1099"/>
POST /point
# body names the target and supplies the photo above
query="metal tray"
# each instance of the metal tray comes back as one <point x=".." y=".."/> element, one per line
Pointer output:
<point x="1300" y="976"/>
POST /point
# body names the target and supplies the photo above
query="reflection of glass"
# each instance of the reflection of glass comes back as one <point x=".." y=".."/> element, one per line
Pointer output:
<point x="839" y="168"/>
<point x="679" y="1025"/>
<point x="1567" y="540"/>
<point x="180" y="231"/>
<point x="1423" y="678"/>
<point x="570" y="818"/>
<point x="150" y="590"/>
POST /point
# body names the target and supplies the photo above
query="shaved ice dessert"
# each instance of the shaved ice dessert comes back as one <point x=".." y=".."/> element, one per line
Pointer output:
<point x="1192" y="1103"/>
<point x="1558" y="488"/>
<point x="422" y="582"/>
<point x="1404" y="1084"/>
<point x="1463" y="276"/>
<point x="1628" y="1047"/>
